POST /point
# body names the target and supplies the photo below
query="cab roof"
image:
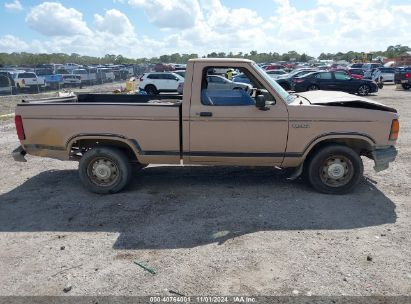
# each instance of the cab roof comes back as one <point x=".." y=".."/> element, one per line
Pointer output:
<point x="221" y="60"/>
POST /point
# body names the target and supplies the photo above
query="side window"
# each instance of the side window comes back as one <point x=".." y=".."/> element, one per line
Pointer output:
<point x="169" y="77"/>
<point x="326" y="76"/>
<point x="216" y="79"/>
<point x="221" y="87"/>
<point x="341" y="76"/>
<point x="153" y="76"/>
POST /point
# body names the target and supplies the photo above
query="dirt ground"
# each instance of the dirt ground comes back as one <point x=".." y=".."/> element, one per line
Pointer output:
<point x="205" y="230"/>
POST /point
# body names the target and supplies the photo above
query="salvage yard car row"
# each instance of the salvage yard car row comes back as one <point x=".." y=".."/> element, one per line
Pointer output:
<point x="15" y="80"/>
<point x="304" y="78"/>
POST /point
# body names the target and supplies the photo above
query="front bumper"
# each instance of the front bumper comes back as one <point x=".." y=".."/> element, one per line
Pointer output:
<point x="18" y="154"/>
<point x="383" y="156"/>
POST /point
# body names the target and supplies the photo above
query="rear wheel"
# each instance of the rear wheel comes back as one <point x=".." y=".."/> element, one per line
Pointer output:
<point x="313" y="87"/>
<point x="335" y="169"/>
<point x="151" y="90"/>
<point x="363" y="90"/>
<point x="406" y="86"/>
<point x="104" y="170"/>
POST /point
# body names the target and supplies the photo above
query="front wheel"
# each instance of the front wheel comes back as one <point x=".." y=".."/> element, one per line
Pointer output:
<point x="406" y="86"/>
<point x="364" y="90"/>
<point x="335" y="169"/>
<point x="151" y="90"/>
<point x="104" y="170"/>
<point x="313" y="87"/>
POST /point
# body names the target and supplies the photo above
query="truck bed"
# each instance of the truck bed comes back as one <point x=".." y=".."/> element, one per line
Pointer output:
<point x="110" y="99"/>
<point x="151" y="123"/>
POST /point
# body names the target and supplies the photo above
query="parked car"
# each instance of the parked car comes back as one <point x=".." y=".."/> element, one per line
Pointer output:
<point x="71" y="66"/>
<point x="71" y="80"/>
<point x="356" y="71"/>
<point x="28" y="81"/>
<point x="403" y="76"/>
<point x="285" y="81"/>
<point x="160" y="67"/>
<point x="321" y="134"/>
<point x="356" y="66"/>
<point x="275" y="74"/>
<point x="274" y="67"/>
<point x="93" y="74"/>
<point x="7" y="83"/>
<point x="216" y="82"/>
<point x="182" y="73"/>
<point x="50" y="79"/>
<point x="109" y="75"/>
<point x="387" y="74"/>
<point x="101" y="76"/>
<point x="334" y="81"/>
<point x="347" y="72"/>
<point x="371" y="66"/>
<point x="156" y="82"/>
<point x="85" y="76"/>
<point x="243" y="78"/>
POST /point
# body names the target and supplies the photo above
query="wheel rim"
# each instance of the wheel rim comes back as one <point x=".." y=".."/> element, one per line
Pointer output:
<point x="150" y="90"/>
<point x="313" y="88"/>
<point x="103" y="172"/>
<point x="363" y="90"/>
<point x="336" y="171"/>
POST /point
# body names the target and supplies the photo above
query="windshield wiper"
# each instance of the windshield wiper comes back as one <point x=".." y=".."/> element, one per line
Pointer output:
<point x="298" y="95"/>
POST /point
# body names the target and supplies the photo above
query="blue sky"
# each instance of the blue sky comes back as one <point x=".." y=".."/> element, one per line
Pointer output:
<point x="146" y="28"/>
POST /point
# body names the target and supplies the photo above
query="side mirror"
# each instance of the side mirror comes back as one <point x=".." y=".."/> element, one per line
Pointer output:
<point x="260" y="102"/>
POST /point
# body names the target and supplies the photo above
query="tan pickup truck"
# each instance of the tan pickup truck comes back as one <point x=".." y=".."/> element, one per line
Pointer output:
<point x="321" y="134"/>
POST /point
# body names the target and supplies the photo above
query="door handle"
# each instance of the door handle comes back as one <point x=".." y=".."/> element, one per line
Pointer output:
<point x="206" y="114"/>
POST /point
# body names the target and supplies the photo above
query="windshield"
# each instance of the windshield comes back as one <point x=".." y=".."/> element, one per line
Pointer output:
<point x="283" y="93"/>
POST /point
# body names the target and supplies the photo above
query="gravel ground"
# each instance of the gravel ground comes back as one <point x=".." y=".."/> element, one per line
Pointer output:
<point x="205" y="230"/>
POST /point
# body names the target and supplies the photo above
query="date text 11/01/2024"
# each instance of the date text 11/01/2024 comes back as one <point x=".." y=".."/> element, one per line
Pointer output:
<point x="203" y="299"/>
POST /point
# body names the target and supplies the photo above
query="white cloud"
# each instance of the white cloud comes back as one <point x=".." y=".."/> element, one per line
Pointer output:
<point x="54" y="19"/>
<point x="13" y="6"/>
<point x="114" y="22"/>
<point x="179" y="14"/>
<point x="10" y="43"/>
<point x="203" y="26"/>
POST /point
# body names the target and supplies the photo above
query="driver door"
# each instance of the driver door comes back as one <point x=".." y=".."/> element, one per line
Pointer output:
<point x="238" y="133"/>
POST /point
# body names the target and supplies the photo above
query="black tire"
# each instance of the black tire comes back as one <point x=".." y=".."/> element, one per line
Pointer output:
<point x="406" y="86"/>
<point x="364" y="90"/>
<point x="335" y="169"/>
<point x="313" y="87"/>
<point x="114" y="165"/>
<point x="151" y="90"/>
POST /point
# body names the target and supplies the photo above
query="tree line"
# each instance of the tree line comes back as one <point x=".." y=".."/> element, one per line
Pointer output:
<point x="25" y="58"/>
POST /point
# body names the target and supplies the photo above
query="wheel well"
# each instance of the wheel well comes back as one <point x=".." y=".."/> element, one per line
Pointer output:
<point x="361" y="146"/>
<point x="81" y="146"/>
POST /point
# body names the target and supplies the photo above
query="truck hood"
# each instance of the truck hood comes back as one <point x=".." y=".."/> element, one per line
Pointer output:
<point x="342" y="99"/>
